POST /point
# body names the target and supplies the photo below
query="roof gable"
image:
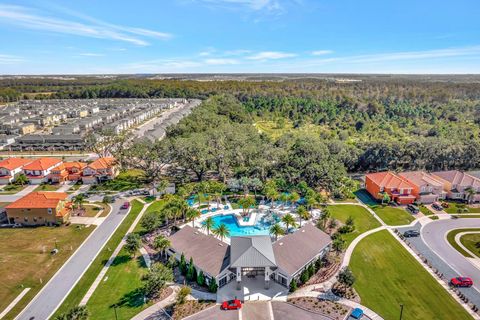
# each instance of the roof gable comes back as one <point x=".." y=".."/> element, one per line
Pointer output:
<point x="102" y="163"/>
<point x="14" y="163"/>
<point x="38" y="200"/>
<point x="42" y="164"/>
<point x="253" y="251"/>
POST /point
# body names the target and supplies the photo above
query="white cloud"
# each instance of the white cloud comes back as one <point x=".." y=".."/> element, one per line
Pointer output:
<point x="271" y="55"/>
<point x="91" y="54"/>
<point x="321" y="52"/>
<point x="9" y="59"/>
<point x="88" y="27"/>
<point x="269" y="6"/>
<point x="221" y="61"/>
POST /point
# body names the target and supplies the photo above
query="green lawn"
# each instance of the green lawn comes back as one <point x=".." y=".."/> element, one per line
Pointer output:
<point x="451" y="239"/>
<point x="364" y="221"/>
<point x="25" y="259"/>
<point x="120" y="286"/>
<point x="48" y="187"/>
<point x="472" y="242"/>
<point x="156" y="206"/>
<point x="126" y="180"/>
<point x="387" y="276"/>
<point x="393" y="216"/>
<point x="425" y="210"/>
<point x="78" y="292"/>
<point x="473" y="216"/>
<point x="12" y="189"/>
<point x="453" y="208"/>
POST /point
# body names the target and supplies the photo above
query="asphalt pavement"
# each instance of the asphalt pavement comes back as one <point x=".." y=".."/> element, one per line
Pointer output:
<point x="58" y="288"/>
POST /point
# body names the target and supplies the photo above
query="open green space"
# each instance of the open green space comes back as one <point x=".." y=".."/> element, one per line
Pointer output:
<point x="48" y="187"/>
<point x="454" y="207"/>
<point x="126" y="180"/>
<point x="387" y="276"/>
<point x="81" y="288"/>
<point x="26" y="261"/>
<point x="120" y="287"/>
<point x="92" y="210"/>
<point x="451" y="239"/>
<point x="12" y="189"/>
<point x="472" y="242"/>
<point x="363" y="220"/>
<point x="393" y="216"/>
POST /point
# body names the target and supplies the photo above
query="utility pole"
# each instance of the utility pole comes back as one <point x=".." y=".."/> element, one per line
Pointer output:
<point x="401" y="311"/>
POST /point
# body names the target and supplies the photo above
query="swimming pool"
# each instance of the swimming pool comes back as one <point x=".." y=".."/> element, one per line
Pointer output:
<point x="260" y="228"/>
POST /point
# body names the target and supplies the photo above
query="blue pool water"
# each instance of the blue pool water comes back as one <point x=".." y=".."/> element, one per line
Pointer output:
<point x="260" y="228"/>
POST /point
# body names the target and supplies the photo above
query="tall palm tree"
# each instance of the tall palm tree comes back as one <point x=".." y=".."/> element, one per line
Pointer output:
<point x="79" y="200"/>
<point x="193" y="214"/>
<point x="470" y="194"/>
<point x="293" y="197"/>
<point x="326" y="214"/>
<point x="276" y="230"/>
<point x="167" y="214"/>
<point x="283" y="198"/>
<point x="221" y="231"/>
<point x="208" y="224"/>
<point x="162" y="244"/>
<point x="302" y="214"/>
<point x="289" y="221"/>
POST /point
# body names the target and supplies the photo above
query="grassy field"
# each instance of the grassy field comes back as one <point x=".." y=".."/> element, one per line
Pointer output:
<point x="472" y="242"/>
<point x="12" y="189"/>
<point x="126" y="180"/>
<point x="120" y="287"/>
<point x="451" y="239"/>
<point x="79" y="291"/>
<point x="387" y="276"/>
<point x="364" y="221"/>
<point x="92" y="211"/>
<point x="453" y="208"/>
<point x="48" y="187"/>
<point x="393" y="216"/>
<point x="28" y="250"/>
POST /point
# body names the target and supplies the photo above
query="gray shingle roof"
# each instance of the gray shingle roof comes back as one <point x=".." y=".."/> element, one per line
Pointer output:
<point x="252" y="251"/>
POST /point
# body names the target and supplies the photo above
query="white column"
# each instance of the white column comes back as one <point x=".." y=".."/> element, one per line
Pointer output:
<point x="239" y="278"/>
<point x="267" y="277"/>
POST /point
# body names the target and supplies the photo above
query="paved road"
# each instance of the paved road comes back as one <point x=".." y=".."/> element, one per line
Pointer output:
<point x="18" y="195"/>
<point x="215" y="313"/>
<point x="57" y="289"/>
<point x="285" y="311"/>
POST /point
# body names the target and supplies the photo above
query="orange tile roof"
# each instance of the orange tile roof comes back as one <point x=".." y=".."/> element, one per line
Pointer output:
<point x="38" y="200"/>
<point x="75" y="164"/>
<point x="388" y="180"/>
<point x="42" y="163"/>
<point x="14" y="163"/>
<point x="102" y="163"/>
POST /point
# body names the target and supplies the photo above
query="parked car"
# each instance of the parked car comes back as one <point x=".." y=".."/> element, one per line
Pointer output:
<point x="232" y="305"/>
<point x="461" y="282"/>
<point x="411" y="233"/>
<point x="413" y="209"/>
<point x="126" y="205"/>
<point x="437" y="206"/>
<point x="357" y="313"/>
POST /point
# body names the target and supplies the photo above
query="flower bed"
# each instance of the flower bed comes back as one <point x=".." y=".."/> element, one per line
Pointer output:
<point x="190" y="307"/>
<point x="326" y="308"/>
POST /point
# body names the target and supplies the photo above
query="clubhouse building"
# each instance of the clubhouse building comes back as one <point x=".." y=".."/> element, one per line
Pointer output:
<point x="252" y="257"/>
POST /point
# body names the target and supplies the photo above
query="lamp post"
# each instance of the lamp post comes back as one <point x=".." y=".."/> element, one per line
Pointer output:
<point x="401" y="311"/>
<point x="115" y="309"/>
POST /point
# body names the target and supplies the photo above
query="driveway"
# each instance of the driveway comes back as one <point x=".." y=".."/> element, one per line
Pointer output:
<point x="57" y="289"/>
<point x="215" y="313"/>
<point x="285" y="311"/>
<point x="256" y="310"/>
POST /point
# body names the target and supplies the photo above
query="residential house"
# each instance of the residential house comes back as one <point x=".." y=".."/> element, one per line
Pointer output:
<point x="58" y="174"/>
<point x="396" y="187"/>
<point x="457" y="183"/>
<point x="75" y="170"/>
<point x="426" y="187"/>
<point x="10" y="168"/>
<point x="100" y="170"/>
<point x="38" y="171"/>
<point x="40" y="208"/>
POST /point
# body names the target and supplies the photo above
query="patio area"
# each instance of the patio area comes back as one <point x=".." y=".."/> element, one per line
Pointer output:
<point x="252" y="290"/>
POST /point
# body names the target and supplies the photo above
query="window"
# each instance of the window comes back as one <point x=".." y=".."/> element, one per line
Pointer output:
<point x="25" y="219"/>
<point x="49" y="210"/>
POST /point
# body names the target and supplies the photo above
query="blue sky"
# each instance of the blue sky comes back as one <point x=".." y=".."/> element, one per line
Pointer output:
<point x="187" y="36"/>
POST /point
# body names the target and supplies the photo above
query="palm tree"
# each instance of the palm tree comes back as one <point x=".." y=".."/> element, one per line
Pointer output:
<point x="293" y="197"/>
<point x="325" y="216"/>
<point x="470" y="194"/>
<point x="208" y="224"/>
<point x="162" y="244"/>
<point x="276" y="230"/>
<point x="302" y="214"/>
<point x="246" y="202"/>
<point x="221" y="231"/>
<point x="311" y="199"/>
<point x="289" y="221"/>
<point x="193" y="214"/>
<point x="21" y="179"/>
<point x="79" y="200"/>
<point x="167" y="214"/>
<point x="283" y="198"/>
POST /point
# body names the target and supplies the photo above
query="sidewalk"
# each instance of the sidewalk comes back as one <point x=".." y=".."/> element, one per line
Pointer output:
<point x="154" y="311"/>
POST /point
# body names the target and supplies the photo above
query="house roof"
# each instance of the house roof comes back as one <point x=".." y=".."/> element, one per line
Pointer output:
<point x="14" y="163"/>
<point x="102" y="163"/>
<point x="208" y="253"/>
<point x="388" y="180"/>
<point x="420" y="178"/>
<point x="295" y="250"/>
<point x="38" y="200"/>
<point x="252" y="251"/>
<point x="456" y="177"/>
<point x="75" y="164"/>
<point x="42" y="164"/>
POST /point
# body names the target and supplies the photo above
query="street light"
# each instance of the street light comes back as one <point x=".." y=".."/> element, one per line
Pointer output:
<point x="115" y="309"/>
<point x="401" y="311"/>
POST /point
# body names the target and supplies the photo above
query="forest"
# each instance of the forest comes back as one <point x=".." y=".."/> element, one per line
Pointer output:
<point x="308" y="130"/>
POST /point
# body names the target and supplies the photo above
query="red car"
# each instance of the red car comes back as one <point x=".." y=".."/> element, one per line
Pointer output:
<point x="126" y="205"/>
<point x="231" y="305"/>
<point x="461" y="282"/>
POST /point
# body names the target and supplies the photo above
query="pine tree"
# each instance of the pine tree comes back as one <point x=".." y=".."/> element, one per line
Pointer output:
<point x="293" y="285"/>
<point x="183" y="264"/>
<point x="201" y="278"/>
<point x="212" y="286"/>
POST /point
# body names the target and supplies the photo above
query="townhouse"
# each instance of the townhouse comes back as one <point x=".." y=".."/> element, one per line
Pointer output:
<point x="100" y="170"/>
<point x="38" y="170"/>
<point x="426" y="187"/>
<point x="11" y="168"/>
<point x="399" y="190"/>
<point x="459" y="185"/>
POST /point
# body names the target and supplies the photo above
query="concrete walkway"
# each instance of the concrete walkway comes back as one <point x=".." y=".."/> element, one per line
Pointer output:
<point x="154" y="311"/>
<point x="18" y="195"/>
<point x="14" y="302"/>
<point x="104" y="270"/>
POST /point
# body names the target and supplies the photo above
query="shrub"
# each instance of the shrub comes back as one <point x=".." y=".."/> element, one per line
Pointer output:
<point x="183" y="265"/>
<point x="346" y="277"/>
<point x="212" y="285"/>
<point x="182" y="294"/>
<point x="293" y="285"/>
<point x="304" y="276"/>
<point x="311" y="270"/>
<point x="201" y="279"/>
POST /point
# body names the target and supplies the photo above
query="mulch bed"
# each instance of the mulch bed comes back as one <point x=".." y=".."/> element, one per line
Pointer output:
<point x="329" y="309"/>
<point x="165" y="293"/>
<point x="190" y="307"/>
<point x="345" y="292"/>
<point x="326" y="272"/>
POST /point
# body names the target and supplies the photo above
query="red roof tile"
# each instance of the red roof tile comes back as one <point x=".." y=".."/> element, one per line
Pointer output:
<point x="38" y="200"/>
<point x="388" y="180"/>
<point x="42" y="164"/>
<point x="14" y="163"/>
